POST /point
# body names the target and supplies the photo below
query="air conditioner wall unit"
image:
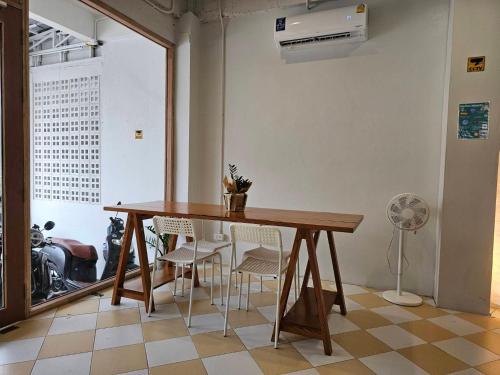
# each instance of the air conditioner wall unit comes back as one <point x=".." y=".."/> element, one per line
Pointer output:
<point x="322" y="28"/>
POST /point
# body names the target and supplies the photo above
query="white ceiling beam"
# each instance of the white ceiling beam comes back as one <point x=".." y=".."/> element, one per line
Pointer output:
<point x="64" y="15"/>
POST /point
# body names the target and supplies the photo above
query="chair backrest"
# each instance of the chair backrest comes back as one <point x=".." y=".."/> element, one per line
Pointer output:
<point x="174" y="225"/>
<point x="258" y="234"/>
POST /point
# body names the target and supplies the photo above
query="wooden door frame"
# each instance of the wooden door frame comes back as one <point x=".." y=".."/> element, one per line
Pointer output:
<point x="15" y="238"/>
<point x="128" y="22"/>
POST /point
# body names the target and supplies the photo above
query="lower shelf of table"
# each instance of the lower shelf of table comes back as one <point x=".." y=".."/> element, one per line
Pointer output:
<point x="303" y="317"/>
<point x="133" y="287"/>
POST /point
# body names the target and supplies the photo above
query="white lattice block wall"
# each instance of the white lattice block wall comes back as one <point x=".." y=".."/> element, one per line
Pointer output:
<point x="66" y="132"/>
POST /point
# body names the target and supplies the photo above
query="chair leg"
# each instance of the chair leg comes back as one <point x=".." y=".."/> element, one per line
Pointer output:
<point x="277" y="324"/>
<point x="152" y="287"/>
<point x="228" y="297"/>
<point x="204" y="272"/>
<point x="261" y="284"/>
<point x="236" y="273"/>
<point x="182" y="270"/>
<point x="191" y="295"/>
<point x="175" y="279"/>
<point x="212" y="282"/>
<point x="241" y="285"/>
<point x="220" y="287"/>
<point x="248" y="292"/>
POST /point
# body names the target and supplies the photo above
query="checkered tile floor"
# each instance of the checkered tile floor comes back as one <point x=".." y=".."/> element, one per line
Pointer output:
<point x="91" y="336"/>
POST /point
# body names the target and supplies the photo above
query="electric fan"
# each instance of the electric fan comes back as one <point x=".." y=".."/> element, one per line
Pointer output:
<point x="408" y="213"/>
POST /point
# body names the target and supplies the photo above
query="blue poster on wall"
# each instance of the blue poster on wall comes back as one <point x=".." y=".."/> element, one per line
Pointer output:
<point x="473" y="120"/>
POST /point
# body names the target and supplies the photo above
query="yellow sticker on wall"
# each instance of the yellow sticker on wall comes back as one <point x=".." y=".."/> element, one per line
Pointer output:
<point x="360" y="8"/>
<point x="138" y="134"/>
<point x="476" y="64"/>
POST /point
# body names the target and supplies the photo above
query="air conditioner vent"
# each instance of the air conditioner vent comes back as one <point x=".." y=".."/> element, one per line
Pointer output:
<point x="315" y="39"/>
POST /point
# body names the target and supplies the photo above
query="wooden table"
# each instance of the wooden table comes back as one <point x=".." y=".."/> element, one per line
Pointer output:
<point x="307" y="317"/>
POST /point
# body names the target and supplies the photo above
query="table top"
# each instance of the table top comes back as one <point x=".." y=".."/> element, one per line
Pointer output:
<point x="329" y="221"/>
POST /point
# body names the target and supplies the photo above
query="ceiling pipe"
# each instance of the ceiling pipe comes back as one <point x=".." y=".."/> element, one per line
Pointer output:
<point x="159" y="7"/>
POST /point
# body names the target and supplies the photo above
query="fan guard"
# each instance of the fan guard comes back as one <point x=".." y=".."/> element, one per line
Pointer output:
<point x="407" y="211"/>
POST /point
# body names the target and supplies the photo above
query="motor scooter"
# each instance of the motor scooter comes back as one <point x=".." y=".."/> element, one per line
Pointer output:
<point x="112" y="248"/>
<point x="71" y="264"/>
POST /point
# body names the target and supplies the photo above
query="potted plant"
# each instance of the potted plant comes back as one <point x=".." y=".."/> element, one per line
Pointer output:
<point x="235" y="198"/>
<point x="151" y="240"/>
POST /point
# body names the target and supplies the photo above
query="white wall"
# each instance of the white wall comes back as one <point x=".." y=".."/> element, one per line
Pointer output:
<point x="132" y="97"/>
<point x="471" y="167"/>
<point x="341" y="135"/>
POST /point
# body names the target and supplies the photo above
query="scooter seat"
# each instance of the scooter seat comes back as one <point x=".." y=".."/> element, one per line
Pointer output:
<point x="76" y="248"/>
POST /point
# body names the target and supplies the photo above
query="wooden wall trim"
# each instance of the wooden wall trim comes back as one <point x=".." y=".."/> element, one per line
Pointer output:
<point x="128" y="22"/>
<point x="169" y="133"/>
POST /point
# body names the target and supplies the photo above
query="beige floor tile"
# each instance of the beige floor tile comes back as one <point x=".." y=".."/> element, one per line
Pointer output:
<point x="194" y="367"/>
<point x="271" y="284"/>
<point x="44" y="315"/>
<point x="262" y="299"/>
<point x="214" y="343"/>
<point x="164" y="329"/>
<point x="367" y="319"/>
<point x="487" y="340"/>
<point x="425" y="311"/>
<point x="427" y="331"/>
<point x="22" y="368"/>
<point x="279" y="361"/>
<point x="243" y="318"/>
<point x="360" y="343"/>
<point x="234" y="291"/>
<point x="69" y="343"/>
<point x="27" y="329"/>
<point x="432" y="359"/>
<point x="369" y="300"/>
<point x="106" y="293"/>
<point x="491" y="368"/>
<point x="487" y="322"/>
<point x="199" y="307"/>
<point x="115" y="318"/>
<point x="79" y="307"/>
<point x="119" y="360"/>
<point x="350" y="367"/>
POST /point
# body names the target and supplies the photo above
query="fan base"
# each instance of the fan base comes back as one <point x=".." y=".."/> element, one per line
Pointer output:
<point x="405" y="299"/>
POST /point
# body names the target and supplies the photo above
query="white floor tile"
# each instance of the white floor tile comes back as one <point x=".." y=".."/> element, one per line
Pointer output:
<point x="205" y="323"/>
<point x="76" y="364"/>
<point x="125" y="303"/>
<point x="396" y="337"/>
<point x="20" y="350"/>
<point x="169" y="351"/>
<point x="166" y="311"/>
<point x="456" y="325"/>
<point x="392" y="363"/>
<point x="198" y="293"/>
<point x="240" y="363"/>
<point x="350" y="289"/>
<point x="73" y="323"/>
<point x="310" y="371"/>
<point x="269" y="312"/>
<point x="118" y="336"/>
<point x="395" y="314"/>
<point x="339" y="324"/>
<point x="466" y="351"/>
<point x="349" y="304"/>
<point x="233" y="303"/>
<point x="313" y="351"/>
<point x="255" y="336"/>
<point x="138" y="372"/>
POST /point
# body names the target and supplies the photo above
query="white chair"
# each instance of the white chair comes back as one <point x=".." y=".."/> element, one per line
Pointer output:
<point x="268" y="259"/>
<point x="182" y="256"/>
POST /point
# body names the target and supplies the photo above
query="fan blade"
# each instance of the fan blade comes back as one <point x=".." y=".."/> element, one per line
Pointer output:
<point x="414" y="202"/>
<point x="402" y="201"/>
<point x="396" y="209"/>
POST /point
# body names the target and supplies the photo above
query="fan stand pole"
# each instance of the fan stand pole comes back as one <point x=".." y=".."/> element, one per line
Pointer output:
<point x="398" y="296"/>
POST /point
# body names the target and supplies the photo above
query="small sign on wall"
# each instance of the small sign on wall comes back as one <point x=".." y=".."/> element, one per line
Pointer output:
<point x="473" y="120"/>
<point x="138" y="134"/>
<point x="476" y="64"/>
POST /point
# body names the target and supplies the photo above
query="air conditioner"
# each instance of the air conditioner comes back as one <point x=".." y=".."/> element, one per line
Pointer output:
<point x="322" y="28"/>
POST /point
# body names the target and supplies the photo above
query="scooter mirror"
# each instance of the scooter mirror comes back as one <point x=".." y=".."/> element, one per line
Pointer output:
<point x="49" y="225"/>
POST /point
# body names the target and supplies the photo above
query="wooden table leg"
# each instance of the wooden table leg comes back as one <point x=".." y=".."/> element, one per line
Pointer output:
<point x="307" y="272"/>
<point x="123" y="260"/>
<point x="318" y="290"/>
<point x="336" y="270"/>
<point x="143" y="261"/>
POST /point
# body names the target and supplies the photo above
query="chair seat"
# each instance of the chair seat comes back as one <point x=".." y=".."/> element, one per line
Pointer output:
<point x="260" y="267"/>
<point x="184" y="255"/>
<point x="206" y="245"/>
<point x="268" y="255"/>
